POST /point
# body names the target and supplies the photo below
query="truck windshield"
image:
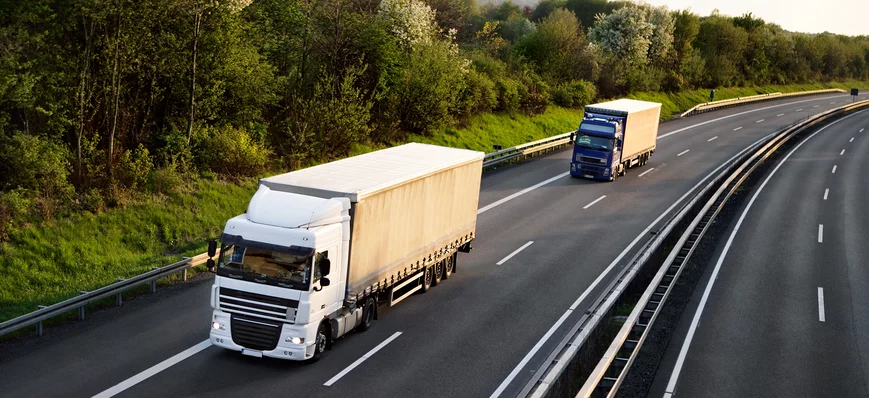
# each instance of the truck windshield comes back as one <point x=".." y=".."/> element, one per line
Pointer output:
<point x="597" y="128"/>
<point x="593" y="142"/>
<point x="265" y="266"/>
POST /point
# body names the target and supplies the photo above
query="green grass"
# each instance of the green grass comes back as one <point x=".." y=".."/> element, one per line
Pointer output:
<point x="675" y="103"/>
<point x="45" y="264"/>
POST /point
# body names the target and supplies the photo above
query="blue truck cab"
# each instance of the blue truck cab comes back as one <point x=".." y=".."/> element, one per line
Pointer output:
<point x="613" y="137"/>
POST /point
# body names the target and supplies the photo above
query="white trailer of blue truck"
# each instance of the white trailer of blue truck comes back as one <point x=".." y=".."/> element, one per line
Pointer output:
<point x="320" y="249"/>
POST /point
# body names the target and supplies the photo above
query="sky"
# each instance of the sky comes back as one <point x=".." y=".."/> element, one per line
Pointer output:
<point x="847" y="17"/>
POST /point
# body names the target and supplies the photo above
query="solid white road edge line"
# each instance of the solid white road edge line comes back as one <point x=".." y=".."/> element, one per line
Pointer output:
<point x="606" y="272"/>
<point x="683" y="352"/>
<point x="360" y="360"/>
<point x="822" y="315"/>
<point x="593" y="202"/>
<point x="147" y="373"/>
<point x="515" y="252"/>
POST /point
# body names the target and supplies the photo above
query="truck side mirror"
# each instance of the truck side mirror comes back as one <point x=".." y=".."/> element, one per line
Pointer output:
<point x="571" y="137"/>
<point x="324" y="282"/>
<point x="325" y="267"/>
<point x="210" y="264"/>
<point x="212" y="248"/>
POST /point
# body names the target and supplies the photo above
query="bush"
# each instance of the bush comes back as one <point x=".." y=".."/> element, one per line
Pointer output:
<point x="231" y="151"/>
<point x="92" y="200"/>
<point x="508" y="95"/>
<point x="478" y="95"/>
<point x="136" y="167"/>
<point x="37" y="164"/>
<point x="534" y="98"/>
<point x="14" y="205"/>
<point x="575" y="94"/>
<point x="167" y="180"/>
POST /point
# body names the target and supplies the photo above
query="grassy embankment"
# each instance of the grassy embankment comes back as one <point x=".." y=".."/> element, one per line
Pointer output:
<point x="48" y="263"/>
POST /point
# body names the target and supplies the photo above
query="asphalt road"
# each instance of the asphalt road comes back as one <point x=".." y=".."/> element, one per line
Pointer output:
<point x="466" y="336"/>
<point x="786" y="314"/>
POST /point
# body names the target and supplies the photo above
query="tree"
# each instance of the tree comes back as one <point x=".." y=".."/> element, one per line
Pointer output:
<point x="625" y="34"/>
<point x="559" y="49"/>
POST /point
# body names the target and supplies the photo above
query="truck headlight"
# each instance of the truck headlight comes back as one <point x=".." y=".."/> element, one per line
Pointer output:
<point x="218" y="325"/>
<point x="606" y="172"/>
<point x="295" y="340"/>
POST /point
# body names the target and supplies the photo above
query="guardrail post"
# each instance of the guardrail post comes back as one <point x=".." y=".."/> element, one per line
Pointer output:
<point x="39" y="324"/>
<point x="81" y="309"/>
<point x="118" y="299"/>
<point x="184" y="275"/>
<point x="153" y="283"/>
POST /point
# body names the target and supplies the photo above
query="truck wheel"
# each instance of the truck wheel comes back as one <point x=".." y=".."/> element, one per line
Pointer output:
<point x="320" y="342"/>
<point x="438" y="272"/>
<point x="426" y="280"/>
<point x="367" y="315"/>
<point x="448" y="265"/>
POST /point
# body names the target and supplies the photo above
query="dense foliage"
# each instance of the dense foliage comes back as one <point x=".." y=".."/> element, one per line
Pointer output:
<point x="103" y="100"/>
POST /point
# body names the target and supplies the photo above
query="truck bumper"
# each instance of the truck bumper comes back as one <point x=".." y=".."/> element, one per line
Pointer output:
<point x="222" y="337"/>
<point x="577" y="170"/>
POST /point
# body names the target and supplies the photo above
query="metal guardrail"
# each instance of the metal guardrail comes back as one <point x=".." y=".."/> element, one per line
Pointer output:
<point x="721" y="104"/>
<point x="525" y="150"/>
<point x="568" y="368"/>
<point x="84" y="298"/>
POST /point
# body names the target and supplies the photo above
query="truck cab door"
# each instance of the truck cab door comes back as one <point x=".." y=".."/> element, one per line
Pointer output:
<point x="323" y="294"/>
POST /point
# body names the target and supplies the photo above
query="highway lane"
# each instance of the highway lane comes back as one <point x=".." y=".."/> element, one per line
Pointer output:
<point x="467" y="333"/>
<point x="786" y="312"/>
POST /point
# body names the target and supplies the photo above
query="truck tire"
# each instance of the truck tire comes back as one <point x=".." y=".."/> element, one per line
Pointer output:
<point x="448" y="265"/>
<point x="320" y="342"/>
<point x="367" y="314"/>
<point x="426" y="280"/>
<point x="438" y="269"/>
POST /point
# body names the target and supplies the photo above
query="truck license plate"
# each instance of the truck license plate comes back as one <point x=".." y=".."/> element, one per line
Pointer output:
<point x="253" y="353"/>
<point x="589" y="176"/>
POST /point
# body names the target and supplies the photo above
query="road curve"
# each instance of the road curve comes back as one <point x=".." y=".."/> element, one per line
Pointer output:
<point x="783" y="311"/>
<point x="466" y="336"/>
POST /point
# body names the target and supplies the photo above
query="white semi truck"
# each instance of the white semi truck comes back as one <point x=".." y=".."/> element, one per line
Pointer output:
<point x="320" y="249"/>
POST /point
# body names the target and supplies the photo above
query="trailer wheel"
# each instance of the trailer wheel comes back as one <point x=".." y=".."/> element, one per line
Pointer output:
<point x="448" y="265"/>
<point x="426" y="280"/>
<point x="367" y="315"/>
<point x="438" y="272"/>
<point x="320" y="342"/>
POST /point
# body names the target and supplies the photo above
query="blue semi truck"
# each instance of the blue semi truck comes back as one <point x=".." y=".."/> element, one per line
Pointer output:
<point x="613" y="137"/>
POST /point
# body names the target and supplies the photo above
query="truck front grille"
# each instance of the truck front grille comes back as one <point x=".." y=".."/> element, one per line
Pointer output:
<point x="255" y="333"/>
<point x="257" y="305"/>
<point x="591" y="169"/>
<point x="589" y="159"/>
